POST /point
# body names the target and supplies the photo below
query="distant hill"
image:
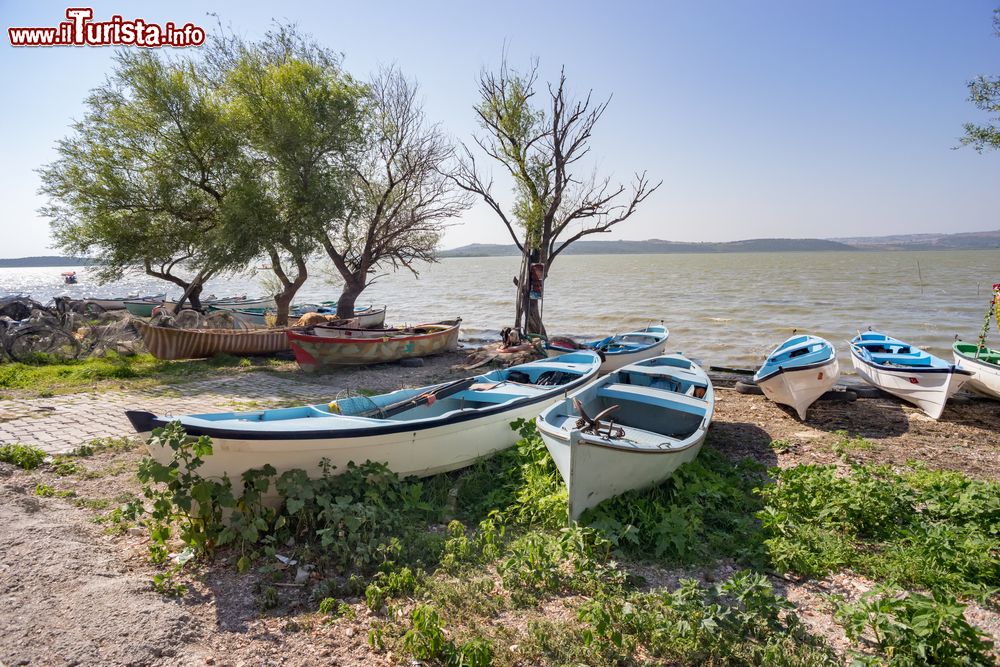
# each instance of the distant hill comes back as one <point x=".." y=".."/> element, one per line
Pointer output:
<point x="47" y="260"/>
<point x="656" y="246"/>
<point x="959" y="241"/>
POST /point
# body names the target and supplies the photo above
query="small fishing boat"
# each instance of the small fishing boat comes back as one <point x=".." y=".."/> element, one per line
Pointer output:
<point x="108" y="304"/>
<point x="798" y="372"/>
<point x="364" y="316"/>
<point x="629" y="430"/>
<point x="906" y="372"/>
<point x="143" y="306"/>
<point x="69" y="277"/>
<point x="238" y="303"/>
<point x="618" y="350"/>
<point x="423" y="431"/>
<point x="314" y="352"/>
<point x="983" y="363"/>
<point x="170" y="343"/>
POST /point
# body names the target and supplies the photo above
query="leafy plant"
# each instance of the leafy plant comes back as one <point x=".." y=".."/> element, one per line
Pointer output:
<point x="23" y="456"/>
<point x="911" y="628"/>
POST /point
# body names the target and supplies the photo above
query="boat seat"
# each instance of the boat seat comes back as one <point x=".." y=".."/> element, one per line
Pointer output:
<point x="652" y="396"/>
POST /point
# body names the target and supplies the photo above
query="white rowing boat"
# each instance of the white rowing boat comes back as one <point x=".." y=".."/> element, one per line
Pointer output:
<point x="798" y="372"/>
<point x="651" y="417"/>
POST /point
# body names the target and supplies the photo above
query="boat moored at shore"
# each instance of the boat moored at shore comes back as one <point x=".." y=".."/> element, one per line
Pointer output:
<point x="798" y="372"/>
<point x="906" y="372"/>
<point x="658" y="412"/>
<point x="422" y="431"/>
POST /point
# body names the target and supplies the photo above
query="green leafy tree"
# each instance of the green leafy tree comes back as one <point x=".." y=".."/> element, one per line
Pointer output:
<point x="300" y="116"/>
<point x="541" y="146"/>
<point x="141" y="183"/>
<point x="984" y="92"/>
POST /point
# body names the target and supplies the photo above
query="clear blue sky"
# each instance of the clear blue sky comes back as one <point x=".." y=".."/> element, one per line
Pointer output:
<point x="796" y="119"/>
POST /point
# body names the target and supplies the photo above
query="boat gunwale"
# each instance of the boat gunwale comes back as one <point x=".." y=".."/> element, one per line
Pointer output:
<point x="152" y="421"/>
<point x="785" y="369"/>
<point x="903" y="369"/>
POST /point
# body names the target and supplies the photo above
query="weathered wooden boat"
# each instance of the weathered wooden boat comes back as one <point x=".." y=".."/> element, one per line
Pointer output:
<point x="421" y="431"/>
<point x="629" y="430"/>
<point x="171" y="343"/>
<point x="313" y="352"/>
<point x="906" y="372"/>
<point x="983" y="363"/>
<point x="618" y="350"/>
<point x="798" y="372"/>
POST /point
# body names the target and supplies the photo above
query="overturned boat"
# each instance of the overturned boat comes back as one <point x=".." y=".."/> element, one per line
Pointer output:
<point x="798" y="372"/>
<point x="629" y="430"/>
<point x="421" y="431"/>
<point x="906" y="372"/>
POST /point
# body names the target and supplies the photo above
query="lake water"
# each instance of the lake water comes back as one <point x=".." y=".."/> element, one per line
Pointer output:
<point x="724" y="309"/>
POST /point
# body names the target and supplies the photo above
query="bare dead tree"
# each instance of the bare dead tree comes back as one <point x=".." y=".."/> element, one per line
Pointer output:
<point x="400" y="200"/>
<point x="541" y="148"/>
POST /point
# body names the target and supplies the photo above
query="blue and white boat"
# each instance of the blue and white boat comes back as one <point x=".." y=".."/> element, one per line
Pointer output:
<point x="618" y="350"/>
<point x="798" y="372"/>
<point x="906" y="371"/>
<point x="628" y="430"/>
<point x="422" y="431"/>
<point x="366" y="316"/>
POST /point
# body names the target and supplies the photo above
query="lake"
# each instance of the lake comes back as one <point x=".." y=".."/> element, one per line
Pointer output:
<point x="723" y="309"/>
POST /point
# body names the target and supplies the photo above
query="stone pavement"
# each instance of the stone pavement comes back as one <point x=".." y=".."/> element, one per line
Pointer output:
<point x="60" y="423"/>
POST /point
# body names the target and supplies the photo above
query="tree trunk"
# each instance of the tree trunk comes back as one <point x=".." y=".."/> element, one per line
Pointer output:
<point x="290" y="287"/>
<point x="345" y="304"/>
<point x="533" y="318"/>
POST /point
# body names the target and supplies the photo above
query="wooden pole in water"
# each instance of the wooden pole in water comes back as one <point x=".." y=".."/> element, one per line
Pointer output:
<point x="920" y="277"/>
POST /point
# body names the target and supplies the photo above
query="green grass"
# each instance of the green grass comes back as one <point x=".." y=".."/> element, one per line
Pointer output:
<point x="509" y="571"/>
<point x="933" y="530"/>
<point x="46" y="378"/>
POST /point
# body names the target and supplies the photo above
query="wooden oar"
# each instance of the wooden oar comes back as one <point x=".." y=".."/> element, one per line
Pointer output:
<point x="427" y="397"/>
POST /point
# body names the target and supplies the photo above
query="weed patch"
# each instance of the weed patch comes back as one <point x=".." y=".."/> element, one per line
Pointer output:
<point x="23" y="456"/>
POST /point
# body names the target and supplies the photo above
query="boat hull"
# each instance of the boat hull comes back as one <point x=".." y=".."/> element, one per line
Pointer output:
<point x="141" y="308"/>
<point x="799" y="388"/>
<point x="663" y="423"/>
<point x="171" y="344"/>
<point x="928" y="389"/>
<point x="594" y="473"/>
<point x="314" y="353"/>
<point x="418" y="452"/>
<point x="985" y="378"/>
<point x="475" y="424"/>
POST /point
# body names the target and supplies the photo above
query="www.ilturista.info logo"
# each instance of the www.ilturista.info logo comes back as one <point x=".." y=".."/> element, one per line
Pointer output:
<point x="80" y="30"/>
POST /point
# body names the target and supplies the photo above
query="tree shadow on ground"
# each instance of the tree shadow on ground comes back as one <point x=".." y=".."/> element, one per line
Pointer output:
<point x="742" y="440"/>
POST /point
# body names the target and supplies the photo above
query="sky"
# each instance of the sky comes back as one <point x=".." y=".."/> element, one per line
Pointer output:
<point x="763" y="119"/>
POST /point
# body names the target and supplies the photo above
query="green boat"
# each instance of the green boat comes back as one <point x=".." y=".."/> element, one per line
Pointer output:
<point x="983" y="363"/>
<point x="142" y="307"/>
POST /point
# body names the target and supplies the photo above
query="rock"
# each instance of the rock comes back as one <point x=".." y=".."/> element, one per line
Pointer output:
<point x="412" y="362"/>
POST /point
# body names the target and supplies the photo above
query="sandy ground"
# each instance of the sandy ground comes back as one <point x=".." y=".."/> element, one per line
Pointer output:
<point x="72" y="595"/>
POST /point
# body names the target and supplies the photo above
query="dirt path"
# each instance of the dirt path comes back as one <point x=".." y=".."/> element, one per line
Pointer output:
<point x="68" y="597"/>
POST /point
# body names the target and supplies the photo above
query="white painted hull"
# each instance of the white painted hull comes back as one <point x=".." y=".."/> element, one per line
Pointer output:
<point x="594" y="473"/>
<point x="613" y="362"/>
<point x="422" y="452"/>
<point x="928" y="391"/>
<point x="799" y="389"/>
<point x="985" y="377"/>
